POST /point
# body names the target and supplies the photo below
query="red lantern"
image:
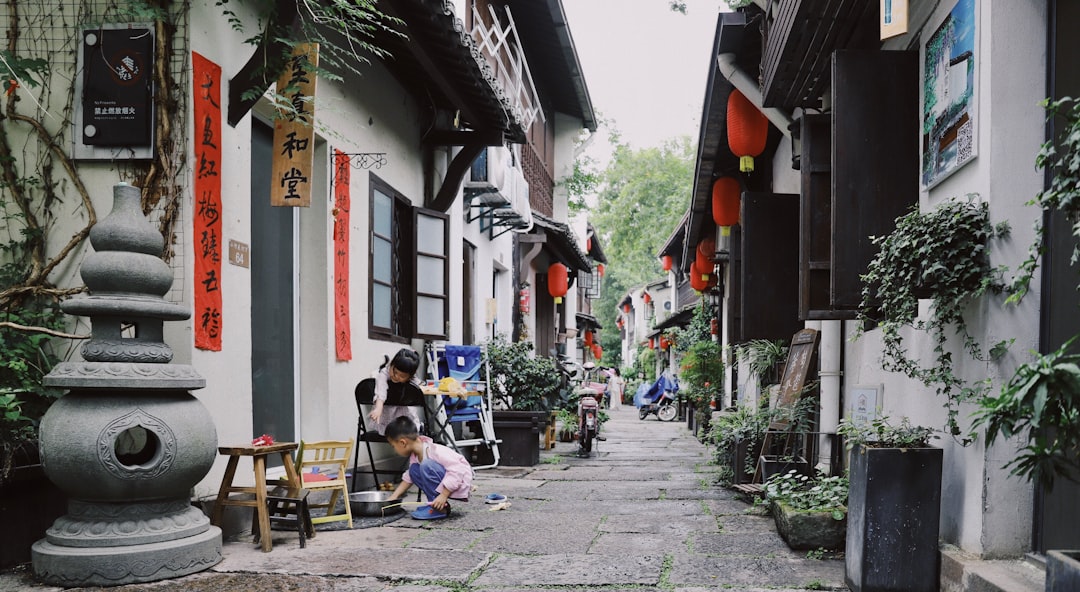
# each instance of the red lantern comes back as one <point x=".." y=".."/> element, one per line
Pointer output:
<point x="558" y="279"/>
<point x="725" y="203"/>
<point x="588" y="245"/>
<point x="652" y="343"/>
<point x="667" y="262"/>
<point x="697" y="281"/>
<point x="626" y="308"/>
<point x="706" y="250"/>
<point x="597" y="351"/>
<point x="747" y="130"/>
<point x="664" y="343"/>
<point x="646" y="297"/>
<point x="588" y="339"/>
<point x="714" y="327"/>
<point x="600" y="269"/>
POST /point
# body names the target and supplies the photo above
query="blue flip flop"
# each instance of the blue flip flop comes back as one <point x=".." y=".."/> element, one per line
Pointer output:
<point x="495" y="498"/>
<point x="429" y="513"/>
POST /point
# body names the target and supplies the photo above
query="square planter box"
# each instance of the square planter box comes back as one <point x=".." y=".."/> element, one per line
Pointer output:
<point x="772" y="465"/>
<point x="805" y="529"/>
<point x="894" y="506"/>
<point x="1062" y="571"/>
<point x="520" y="434"/>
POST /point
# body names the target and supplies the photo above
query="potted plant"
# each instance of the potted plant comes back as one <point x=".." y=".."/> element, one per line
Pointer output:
<point x="810" y="513"/>
<point x="893" y="507"/>
<point x="1041" y="404"/>
<point x="525" y="388"/>
<point x="737" y="436"/>
<point x="701" y="374"/>
<point x="764" y="359"/>
<point x="568" y="425"/>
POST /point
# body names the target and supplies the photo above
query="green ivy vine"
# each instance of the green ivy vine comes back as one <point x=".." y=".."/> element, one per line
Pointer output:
<point x="941" y="255"/>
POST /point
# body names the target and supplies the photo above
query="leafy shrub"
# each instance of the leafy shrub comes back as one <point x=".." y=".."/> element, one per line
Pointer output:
<point x="519" y="380"/>
<point x="879" y="433"/>
<point x="822" y="494"/>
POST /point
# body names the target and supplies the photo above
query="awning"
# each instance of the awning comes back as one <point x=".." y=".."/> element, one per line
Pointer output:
<point x="681" y="318"/>
<point x="437" y="58"/>
<point x="587" y="322"/>
<point x="561" y="242"/>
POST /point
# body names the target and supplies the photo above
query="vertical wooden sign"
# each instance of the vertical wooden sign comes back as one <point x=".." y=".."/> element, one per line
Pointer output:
<point x="294" y="133"/>
<point x="342" y="330"/>
<point x="206" y="222"/>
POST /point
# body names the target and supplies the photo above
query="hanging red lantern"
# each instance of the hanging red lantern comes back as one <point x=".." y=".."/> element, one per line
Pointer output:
<point x="698" y="281"/>
<point x="588" y="339"/>
<point x="666" y="259"/>
<point x="652" y="343"/>
<point x="600" y="269"/>
<point x="747" y="130"/>
<point x="664" y="343"/>
<point x="588" y="245"/>
<point x="558" y="279"/>
<point x="706" y="250"/>
<point x="626" y="308"/>
<point x="646" y="297"/>
<point x="597" y="351"/>
<point x="714" y="327"/>
<point x="725" y="203"/>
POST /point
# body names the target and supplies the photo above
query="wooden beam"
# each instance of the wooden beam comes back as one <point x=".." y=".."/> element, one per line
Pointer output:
<point x="454" y="175"/>
<point x="266" y="64"/>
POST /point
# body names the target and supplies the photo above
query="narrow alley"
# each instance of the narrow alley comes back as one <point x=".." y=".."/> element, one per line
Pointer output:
<point x="640" y="514"/>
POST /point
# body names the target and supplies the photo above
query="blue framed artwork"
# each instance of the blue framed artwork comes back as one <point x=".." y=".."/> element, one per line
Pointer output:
<point x="950" y="109"/>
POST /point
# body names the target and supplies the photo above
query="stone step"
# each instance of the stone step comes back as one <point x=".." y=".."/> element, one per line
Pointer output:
<point x="962" y="572"/>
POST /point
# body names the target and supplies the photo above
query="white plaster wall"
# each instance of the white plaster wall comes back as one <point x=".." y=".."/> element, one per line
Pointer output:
<point x="983" y="510"/>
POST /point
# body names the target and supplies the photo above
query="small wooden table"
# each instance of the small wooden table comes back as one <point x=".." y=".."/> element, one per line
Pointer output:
<point x="258" y="456"/>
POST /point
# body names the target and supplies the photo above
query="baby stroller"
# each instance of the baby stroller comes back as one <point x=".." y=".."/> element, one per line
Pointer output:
<point x="659" y="400"/>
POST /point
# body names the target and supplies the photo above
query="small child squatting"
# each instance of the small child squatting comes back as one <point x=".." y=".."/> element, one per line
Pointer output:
<point x="439" y="472"/>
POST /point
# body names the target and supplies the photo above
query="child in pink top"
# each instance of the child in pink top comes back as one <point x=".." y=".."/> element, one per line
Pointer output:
<point x="439" y="472"/>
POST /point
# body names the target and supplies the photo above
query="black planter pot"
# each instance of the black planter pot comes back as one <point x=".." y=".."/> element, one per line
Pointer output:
<point x="774" y="465"/>
<point x="520" y="434"/>
<point x="29" y="504"/>
<point x="1062" y="571"/>
<point x="894" y="506"/>
<point x="744" y="450"/>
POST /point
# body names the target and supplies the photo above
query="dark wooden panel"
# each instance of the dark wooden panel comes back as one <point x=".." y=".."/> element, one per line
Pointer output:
<point x="815" y="220"/>
<point x="770" y="266"/>
<point x="875" y="164"/>
<point x="734" y="290"/>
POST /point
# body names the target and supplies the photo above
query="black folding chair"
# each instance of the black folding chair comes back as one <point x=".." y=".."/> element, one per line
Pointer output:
<point x="398" y="394"/>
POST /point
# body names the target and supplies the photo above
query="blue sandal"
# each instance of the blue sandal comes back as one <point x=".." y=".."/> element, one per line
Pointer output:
<point x="495" y="498"/>
<point x="429" y="513"/>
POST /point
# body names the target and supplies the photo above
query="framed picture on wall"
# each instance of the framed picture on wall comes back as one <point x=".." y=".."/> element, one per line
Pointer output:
<point x="950" y="106"/>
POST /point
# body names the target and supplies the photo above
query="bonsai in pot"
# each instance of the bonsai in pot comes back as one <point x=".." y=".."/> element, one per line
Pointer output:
<point x="1041" y="404"/>
<point x="894" y="506"/>
<point x="810" y="512"/>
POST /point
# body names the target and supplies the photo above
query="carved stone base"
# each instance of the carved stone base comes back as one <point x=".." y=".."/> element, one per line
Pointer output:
<point x="97" y="524"/>
<point x="129" y="564"/>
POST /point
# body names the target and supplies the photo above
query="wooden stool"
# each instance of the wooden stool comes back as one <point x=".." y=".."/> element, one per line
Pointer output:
<point x="288" y="505"/>
<point x="258" y="456"/>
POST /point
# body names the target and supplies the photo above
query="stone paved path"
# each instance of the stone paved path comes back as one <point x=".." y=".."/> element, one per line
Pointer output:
<point x="641" y="515"/>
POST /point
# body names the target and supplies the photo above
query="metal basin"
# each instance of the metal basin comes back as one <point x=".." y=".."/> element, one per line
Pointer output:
<point x="373" y="503"/>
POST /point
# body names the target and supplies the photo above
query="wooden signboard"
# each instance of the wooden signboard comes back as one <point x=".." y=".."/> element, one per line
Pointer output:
<point x="800" y="354"/>
<point x="294" y="134"/>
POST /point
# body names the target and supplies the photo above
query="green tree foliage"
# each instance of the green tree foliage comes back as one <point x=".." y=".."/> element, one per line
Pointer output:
<point x="644" y="196"/>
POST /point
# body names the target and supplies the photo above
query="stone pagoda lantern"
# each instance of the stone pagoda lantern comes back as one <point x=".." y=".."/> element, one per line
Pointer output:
<point x="127" y="442"/>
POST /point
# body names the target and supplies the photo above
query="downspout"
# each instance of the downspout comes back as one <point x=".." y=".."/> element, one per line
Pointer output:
<point x="829" y="356"/>
<point x="730" y="70"/>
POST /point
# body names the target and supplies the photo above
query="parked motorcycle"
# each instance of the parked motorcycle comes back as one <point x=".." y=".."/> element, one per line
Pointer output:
<point x="588" y="419"/>
<point x="659" y="400"/>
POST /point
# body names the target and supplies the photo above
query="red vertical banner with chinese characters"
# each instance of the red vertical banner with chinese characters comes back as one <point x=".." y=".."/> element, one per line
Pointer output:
<point x="294" y="131"/>
<point x="342" y="331"/>
<point x="206" y="222"/>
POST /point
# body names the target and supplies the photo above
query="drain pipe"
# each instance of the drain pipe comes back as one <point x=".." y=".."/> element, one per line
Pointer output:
<point x="829" y="352"/>
<point x="749" y="88"/>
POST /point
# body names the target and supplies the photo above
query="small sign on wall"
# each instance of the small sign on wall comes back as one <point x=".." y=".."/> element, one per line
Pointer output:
<point x="115" y="115"/>
<point x="239" y="253"/>
<point x="864" y="404"/>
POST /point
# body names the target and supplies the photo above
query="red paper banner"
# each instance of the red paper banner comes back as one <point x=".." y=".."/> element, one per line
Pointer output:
<point x="342" y="331"/>
<point x="206" y="223"/>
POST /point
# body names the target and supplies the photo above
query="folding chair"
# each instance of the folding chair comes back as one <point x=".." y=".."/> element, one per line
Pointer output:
<point x="464" y="364"/>
<point x="397" y="394"/>
<point x="321" y="466"/>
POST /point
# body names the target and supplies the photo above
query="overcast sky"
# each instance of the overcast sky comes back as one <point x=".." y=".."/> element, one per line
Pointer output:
<point x="645" y="66"/>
